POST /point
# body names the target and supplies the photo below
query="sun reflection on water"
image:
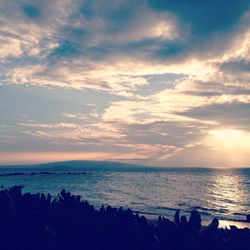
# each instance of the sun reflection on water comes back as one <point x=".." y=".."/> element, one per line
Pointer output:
<point x="228" y="191"/>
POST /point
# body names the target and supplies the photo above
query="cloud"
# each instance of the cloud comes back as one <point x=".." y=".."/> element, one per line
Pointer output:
<point x="234" y="114"/>
<point x="31" y="11"/>
<point x="86" y="46"/>
<point x="79" y="116"/>
<point x="159" y="75"/>
<point x="205" y="19"/>
<point x="236" y="66"/>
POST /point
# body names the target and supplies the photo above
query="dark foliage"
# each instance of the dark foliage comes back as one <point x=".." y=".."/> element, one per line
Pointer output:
<point x="38" y="222"/>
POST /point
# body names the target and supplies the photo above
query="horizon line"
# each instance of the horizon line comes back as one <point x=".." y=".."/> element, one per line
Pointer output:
<point x="114" y="161"/>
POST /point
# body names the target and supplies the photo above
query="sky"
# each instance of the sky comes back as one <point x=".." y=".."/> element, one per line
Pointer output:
<point x="160" y="83"/>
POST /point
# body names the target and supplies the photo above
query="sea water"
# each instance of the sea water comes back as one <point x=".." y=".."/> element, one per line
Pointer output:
<point x="224" y="193"/>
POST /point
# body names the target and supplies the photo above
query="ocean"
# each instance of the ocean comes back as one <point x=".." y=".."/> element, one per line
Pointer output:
<point x="224" y="193"/>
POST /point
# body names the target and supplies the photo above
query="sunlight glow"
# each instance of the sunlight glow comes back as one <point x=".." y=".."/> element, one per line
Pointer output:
<point x="230" y="146"/>
<point x="230" y="137"/>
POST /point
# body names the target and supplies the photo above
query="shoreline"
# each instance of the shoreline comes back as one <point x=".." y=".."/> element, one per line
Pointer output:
<point x="222" y="223"/>
<point x="228" y="223"/>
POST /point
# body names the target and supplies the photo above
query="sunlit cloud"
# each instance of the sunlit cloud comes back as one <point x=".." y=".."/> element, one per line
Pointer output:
<point x="79" y="116"/>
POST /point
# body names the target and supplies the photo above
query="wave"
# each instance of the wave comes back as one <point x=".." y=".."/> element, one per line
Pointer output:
<point x="210" y="209"/>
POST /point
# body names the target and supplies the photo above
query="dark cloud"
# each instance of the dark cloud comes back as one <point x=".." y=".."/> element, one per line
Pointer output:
<point x="31" y="11"/>
<point x="67" y="49"/>
<point x="210" y="89"/>
<point x="170" y="50"/>
<point x="228" y="114"/>
<point x="172" y="133"/>
<point x="74" y="32"/>
<point x="205" y="17"/>
<point x="236" y="66"/>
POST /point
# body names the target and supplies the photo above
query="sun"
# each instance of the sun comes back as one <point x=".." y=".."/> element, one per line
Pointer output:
<point x="228" y="145"/>
<point x="230" y="138"/>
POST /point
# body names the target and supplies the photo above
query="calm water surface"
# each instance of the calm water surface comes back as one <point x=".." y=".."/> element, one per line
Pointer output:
<point x="224" y="193"/>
